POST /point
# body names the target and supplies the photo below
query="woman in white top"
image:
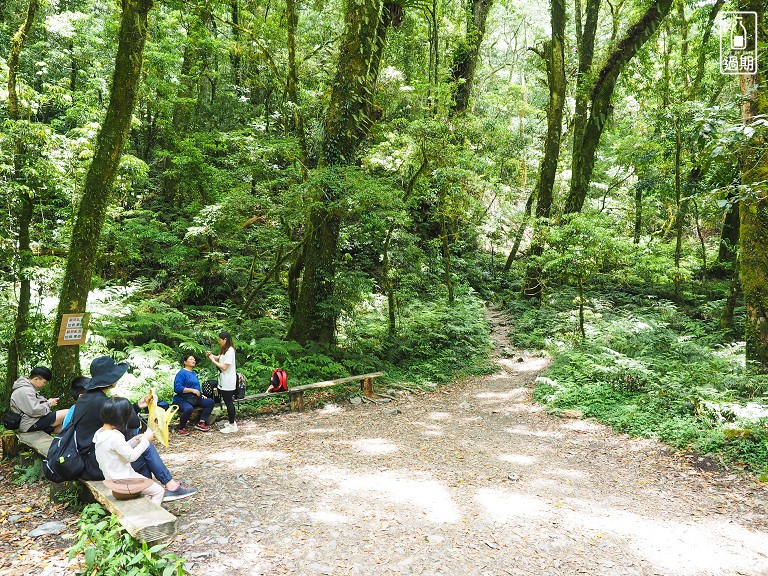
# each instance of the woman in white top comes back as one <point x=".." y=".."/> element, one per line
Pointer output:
<point x="225" y="362"/>
<point x="114" y="454"/>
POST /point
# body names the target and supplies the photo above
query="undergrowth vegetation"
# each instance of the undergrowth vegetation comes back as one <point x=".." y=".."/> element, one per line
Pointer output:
<point x="104" y="547"/>
<point x="433" y="343"/>
<point x="652" y="368"/>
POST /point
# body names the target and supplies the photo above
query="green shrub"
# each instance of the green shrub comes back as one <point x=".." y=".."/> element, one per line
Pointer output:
<point x="107" y="549"/>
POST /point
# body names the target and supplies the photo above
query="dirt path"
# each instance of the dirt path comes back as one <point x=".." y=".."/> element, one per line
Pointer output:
<point x="472" y="479"/>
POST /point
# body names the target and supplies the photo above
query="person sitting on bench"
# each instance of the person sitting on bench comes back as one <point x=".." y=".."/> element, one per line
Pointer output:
<point x="188" y="395"/>
<point x="105" y="373"/>
<point x="35" y="409"/>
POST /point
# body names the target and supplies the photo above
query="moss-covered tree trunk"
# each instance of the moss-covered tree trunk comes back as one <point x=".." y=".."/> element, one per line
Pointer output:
<point x="753" y="211"/>
<point x="99" y="181"/>
<point x="346" y="124"/>
<point x="466" y="55"/>
<point x="555" y="58"/>
<point x="729" y="234"/>
<point x="588" y="127"/>
<point x="16" y="348"/>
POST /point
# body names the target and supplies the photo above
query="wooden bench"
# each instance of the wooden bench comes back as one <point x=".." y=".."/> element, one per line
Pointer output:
<point x="296" y="393"/>
<point x="142" y="519"/>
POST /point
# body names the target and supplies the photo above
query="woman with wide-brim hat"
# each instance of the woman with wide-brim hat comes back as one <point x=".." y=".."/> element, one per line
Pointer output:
<point x="105" y="373"/>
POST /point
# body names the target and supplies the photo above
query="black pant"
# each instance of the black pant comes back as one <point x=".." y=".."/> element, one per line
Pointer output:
<point x="229" y="397"/>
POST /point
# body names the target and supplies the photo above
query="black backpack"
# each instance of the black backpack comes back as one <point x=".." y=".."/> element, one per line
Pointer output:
<point x="65" y="461"/>
<point x="240" y="387"/>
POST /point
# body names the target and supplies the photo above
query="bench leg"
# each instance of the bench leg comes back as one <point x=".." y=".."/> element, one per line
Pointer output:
<point x="10" y="445"/>
<point x="297" y="401"/>
<point x="367" y="386"/>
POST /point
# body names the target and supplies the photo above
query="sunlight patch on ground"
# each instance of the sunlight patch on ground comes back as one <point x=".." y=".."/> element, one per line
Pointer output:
<point x="440" y="416"/>
<point x="374" y="446"/>
<point x="675" y="547"/>
<point x="274" y="436"/>
<point x="321" y="431"/>
<point x="522" y="459"/>
<point x="330" y="409"/>
<point x="530" y="365"/>
<point x="327" y="517"/>
<point x="417" y="489"/>
<point x="241" y="459"/>
<point x="537" y="433"/>
<point x="430" y="429"/>
<point x="567" y="473"/>
<point x="502" y="506"/>
<point x="514" y="394"/>
<point x="582" y="426"/>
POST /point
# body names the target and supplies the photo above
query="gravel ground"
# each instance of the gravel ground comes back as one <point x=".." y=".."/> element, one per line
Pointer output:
<point x="471" y="479"/>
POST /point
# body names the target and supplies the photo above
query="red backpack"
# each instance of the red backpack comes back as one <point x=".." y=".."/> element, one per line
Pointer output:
<point x="279" y="380"/>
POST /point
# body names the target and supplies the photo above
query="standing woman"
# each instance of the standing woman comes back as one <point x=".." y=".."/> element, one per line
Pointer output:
<point x="225" y="362"/>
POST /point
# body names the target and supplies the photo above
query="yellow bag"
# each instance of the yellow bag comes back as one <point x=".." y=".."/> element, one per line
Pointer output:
<point x="160" y="418"/>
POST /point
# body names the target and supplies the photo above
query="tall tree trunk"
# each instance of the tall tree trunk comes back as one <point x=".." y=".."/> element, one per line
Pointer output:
<point x="585" y="46"/>
<point x="234" y="52"/>
<point x="555" y="57"/>
<point x="726" y="319"/>
<point x="520" y="231"/>
<point x="753" y="233"/>
<point x="466" y="55"/>
<point x="600" y="102"/>
<point x="291" y="87"/>
<point x="99" y="181"/>
<point x="729" y="235"/>
<point x="702" y="58"/>
<point x="681" y="206"/>
<point x="16" y="348"/>
<point x="316" y="310"/>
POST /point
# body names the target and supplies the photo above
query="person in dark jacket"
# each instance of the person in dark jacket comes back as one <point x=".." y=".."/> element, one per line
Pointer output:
<point x="86" y="419"/>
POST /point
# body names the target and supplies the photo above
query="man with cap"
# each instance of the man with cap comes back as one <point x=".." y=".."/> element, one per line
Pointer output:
<point x="105" y="373"/>
<point x="36" y="410"/>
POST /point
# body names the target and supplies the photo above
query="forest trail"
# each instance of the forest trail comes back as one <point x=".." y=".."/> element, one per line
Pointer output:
<point x="472" y="479"/>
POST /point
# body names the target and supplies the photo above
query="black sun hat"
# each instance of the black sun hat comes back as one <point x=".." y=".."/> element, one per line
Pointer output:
<point x="105" y="372"/>
<point x="127" y="488"/>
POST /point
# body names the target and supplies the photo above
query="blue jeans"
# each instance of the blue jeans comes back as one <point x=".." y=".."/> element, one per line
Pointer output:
<point x="150" y="463"/>
<point x="185" y="410"/>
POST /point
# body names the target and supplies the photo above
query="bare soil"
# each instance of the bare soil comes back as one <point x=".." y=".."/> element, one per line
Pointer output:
<point x="470" y="479"/>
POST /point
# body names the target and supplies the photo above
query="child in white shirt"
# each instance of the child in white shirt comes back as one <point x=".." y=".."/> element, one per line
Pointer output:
<point x="114" y="454"/>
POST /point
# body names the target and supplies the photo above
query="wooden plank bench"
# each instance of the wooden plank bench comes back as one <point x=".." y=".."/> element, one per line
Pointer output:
<point x="142" y="519"/>
<point x="296" y="393"/>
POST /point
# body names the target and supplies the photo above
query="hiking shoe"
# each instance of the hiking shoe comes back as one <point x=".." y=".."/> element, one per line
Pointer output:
<point x="202" y="426"/>
<point x="178" y="494"/>
<point x="228" y="428"/>
<point x="183" y="431"/>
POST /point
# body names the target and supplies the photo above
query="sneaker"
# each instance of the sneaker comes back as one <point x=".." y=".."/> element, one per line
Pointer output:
<point x="202" y="426"/>
<point x="178" y="494"/>
<point x="228" y="428"/>
<point x="183" y="431"/>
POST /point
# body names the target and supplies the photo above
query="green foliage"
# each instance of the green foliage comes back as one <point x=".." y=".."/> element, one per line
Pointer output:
<point x="70" y="496"/>
<point x="28" y="474"/>
<point x="434" y="341"/>
<point x="106" y="548"/>
<point x="649" y="368"/>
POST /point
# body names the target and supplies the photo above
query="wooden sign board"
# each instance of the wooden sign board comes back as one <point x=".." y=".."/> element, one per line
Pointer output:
<point x="73" y="329"/>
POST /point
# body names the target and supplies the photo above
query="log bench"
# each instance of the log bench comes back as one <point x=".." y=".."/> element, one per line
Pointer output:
<point x="296" y="394"/>
<point x="142" y="519"/>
